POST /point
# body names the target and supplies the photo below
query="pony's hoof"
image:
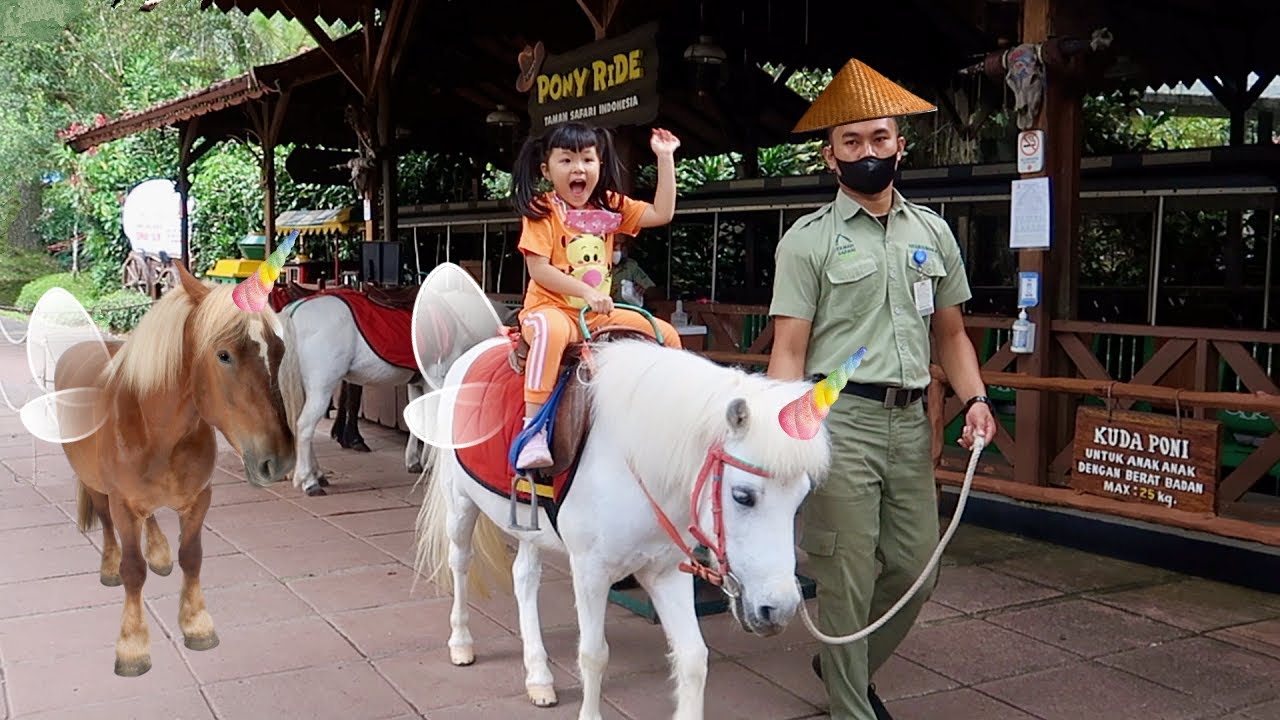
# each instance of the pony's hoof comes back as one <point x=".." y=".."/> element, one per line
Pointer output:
<point x="197" y="643"/>
<point x="133" y="668"/>
<point x="462" y="655"/>
<point x="161" y="570"/>
<point x="110" y="580"/>
<point x="315" y="490"/>
<point x="324" y="481"/>
<point x="543" y="695"/>
<point x="415" y="469"/>
<point x="359" y="446"/>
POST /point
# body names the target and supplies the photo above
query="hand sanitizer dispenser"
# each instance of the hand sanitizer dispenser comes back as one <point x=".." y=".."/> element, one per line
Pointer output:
<point x="1024" y="331"/>
<point x="1024" y="334"/>
<point x="679" y="318"/>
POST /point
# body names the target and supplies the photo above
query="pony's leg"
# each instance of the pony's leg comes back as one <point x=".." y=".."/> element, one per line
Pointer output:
<point x="461" y="524"/>
<point x="415" y="449"/>
<point x="133" y="648"/>
<point x="351" y="438"/>
<point x="193" y="618"/>
<point x="339" y="422"/>
<point x="109" y="574"/>
<point x="159" y="558"/>
<point x="527" y="576"/>
<point x="306" y="475"/>
<point x="591" y="595"/>
<point x="671" y="593"/>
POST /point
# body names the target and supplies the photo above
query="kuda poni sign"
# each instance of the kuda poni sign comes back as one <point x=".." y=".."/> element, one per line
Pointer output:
<point x="1147" y="458"/>
<point x="607" y="83"/>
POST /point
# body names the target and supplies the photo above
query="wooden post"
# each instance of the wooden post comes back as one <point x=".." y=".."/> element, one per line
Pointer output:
<point x="1040" y="422"/>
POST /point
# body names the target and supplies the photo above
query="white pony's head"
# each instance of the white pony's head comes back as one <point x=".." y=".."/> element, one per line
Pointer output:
<point x="679" y="409"/>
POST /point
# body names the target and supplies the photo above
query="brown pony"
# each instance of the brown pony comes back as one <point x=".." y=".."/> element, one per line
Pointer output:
<point x="196" y="362"/>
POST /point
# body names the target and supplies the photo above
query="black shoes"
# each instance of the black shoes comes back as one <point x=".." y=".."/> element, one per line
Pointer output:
<point x="882" y="713"/>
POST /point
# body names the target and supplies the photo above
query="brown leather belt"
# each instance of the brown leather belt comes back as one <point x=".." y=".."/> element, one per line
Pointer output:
<point x="890" y="397"/>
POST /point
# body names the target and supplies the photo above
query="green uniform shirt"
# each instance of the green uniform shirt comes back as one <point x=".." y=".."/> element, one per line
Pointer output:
<point x="629" y="269"/>
<point x="853" y="278"/>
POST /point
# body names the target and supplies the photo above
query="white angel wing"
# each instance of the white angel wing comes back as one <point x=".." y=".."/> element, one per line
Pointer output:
<point x="450" y="316"/>
<point x="58" y="323"/>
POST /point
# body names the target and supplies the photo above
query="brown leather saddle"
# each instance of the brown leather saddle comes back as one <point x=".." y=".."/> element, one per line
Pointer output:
<point x="573" y="415"/>
<point x="392" y="298"/>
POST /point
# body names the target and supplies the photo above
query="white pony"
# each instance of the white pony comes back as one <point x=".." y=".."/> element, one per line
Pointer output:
<point x="672" y="434"/>
<point x="325" y="347"/>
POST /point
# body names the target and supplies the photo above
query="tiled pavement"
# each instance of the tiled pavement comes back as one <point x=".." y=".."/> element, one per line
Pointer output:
<point x="311" y="598"/>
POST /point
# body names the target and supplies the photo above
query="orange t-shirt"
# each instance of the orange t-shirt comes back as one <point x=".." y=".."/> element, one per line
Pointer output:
<point x="583" y="255"/>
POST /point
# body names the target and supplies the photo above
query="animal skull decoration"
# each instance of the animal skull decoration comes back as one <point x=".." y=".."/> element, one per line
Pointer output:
<point x="1024" y="74"/>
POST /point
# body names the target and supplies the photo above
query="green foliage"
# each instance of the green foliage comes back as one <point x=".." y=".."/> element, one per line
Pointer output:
<point x="121" y="310"/>
<point x="80" y="287"/>
<point x="19" y="267"/>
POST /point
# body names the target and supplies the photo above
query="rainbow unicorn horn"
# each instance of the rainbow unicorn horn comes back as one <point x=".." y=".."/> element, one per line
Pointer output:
<point x="801" y="418"/>
<point x="251" y="294"/>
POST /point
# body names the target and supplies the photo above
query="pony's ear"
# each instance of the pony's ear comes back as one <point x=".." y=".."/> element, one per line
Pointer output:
<point x="196" y="290"/>
<point x="737" y="415"/>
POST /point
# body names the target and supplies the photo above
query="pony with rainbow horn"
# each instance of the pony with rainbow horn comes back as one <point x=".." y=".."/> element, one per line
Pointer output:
<point x="140" y="435"/>
<point x="677" y="450"/>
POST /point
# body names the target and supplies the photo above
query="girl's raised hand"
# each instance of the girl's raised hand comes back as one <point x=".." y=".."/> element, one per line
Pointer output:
<point x="663" y="142"/>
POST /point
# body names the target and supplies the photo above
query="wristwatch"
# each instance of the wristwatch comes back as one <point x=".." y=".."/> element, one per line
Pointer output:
<point x="977" y="399"/>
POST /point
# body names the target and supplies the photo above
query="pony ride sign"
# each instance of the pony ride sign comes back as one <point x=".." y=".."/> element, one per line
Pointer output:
<point x="607" y="83"/>
<point x="1147" y="458"/>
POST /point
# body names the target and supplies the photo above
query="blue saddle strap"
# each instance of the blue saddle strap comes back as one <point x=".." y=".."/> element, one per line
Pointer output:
<point x="546" y="417"/>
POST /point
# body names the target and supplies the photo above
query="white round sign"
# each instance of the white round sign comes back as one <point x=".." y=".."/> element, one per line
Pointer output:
<point x="152" y="218"/>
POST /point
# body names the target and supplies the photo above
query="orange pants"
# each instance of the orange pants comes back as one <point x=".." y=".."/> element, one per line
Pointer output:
<point x="549" y="331"/>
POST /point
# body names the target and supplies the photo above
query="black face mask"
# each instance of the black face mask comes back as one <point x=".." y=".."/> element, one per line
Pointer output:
<point x="868" y="176"/>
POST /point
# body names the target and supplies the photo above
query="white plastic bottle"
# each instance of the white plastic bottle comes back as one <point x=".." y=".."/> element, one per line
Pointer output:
<point x="679" y="318"/>
<point x="1024" y="336"/>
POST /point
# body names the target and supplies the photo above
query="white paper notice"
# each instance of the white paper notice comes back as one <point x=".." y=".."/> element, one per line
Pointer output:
<point x="1029" y="217"/>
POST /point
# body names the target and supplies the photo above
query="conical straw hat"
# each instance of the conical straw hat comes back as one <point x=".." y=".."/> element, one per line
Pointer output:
<point x="859" y="93"/>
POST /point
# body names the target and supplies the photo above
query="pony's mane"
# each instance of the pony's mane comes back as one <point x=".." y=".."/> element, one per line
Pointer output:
<point x="151" y="360"/>
<point x="670" y="406"/>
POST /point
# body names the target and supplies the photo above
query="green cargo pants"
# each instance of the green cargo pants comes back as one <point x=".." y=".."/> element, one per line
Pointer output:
<point x="877" y="506"/>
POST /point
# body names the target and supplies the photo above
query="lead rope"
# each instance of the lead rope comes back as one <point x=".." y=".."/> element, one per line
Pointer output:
<point x="978" y="444"/>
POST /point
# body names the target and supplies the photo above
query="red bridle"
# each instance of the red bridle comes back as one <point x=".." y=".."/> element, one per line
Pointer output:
<point x="712" y="467"/>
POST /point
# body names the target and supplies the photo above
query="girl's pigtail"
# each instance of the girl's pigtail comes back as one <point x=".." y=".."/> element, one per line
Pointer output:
<point x="608" y="190"/>
<point x="525" y="177"/>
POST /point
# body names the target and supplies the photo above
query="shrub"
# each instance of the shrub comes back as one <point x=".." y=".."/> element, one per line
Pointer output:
<point x="19" y="267"/>
<point x="121" y="310"/>
<point x="80" y="287"/>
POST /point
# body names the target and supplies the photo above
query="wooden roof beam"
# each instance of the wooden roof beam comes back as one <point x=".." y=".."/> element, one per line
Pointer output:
<point x="328" y="47"/>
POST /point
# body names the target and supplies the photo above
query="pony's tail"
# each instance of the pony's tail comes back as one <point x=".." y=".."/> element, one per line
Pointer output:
<point x="86" y="516"/>
<point x="488" y="546"/>
<point x="292" y="390"/>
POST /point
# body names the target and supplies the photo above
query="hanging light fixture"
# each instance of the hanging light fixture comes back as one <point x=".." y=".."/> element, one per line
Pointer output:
<point x="502" y="117"/>
<point x="705" y="52"/>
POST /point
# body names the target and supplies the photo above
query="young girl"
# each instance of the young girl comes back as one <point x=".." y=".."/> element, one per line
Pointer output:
<point x="567" y="239"/>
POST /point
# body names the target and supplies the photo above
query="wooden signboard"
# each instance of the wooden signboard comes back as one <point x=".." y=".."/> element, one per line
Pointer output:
<point x="606" y="84"/>
<point x="1147" y="458"/>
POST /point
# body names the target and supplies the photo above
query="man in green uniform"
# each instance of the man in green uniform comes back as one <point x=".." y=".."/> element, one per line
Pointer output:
<point x="631" y="284"/>
<point x="870" y="268"/>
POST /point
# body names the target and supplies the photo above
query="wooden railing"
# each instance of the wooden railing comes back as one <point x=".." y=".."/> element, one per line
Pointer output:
<point x="1228" y="375"/>
<point x="1252" y="521"/>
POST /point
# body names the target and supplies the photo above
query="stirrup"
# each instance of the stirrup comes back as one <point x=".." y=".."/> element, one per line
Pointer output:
<point x="513" y="523"/>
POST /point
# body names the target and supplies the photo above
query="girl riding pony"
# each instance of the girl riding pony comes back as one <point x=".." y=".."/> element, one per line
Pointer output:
<point x="567" y="240"/>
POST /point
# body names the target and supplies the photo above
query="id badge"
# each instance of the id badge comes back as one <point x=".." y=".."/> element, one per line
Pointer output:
<point x="924" y="296"/>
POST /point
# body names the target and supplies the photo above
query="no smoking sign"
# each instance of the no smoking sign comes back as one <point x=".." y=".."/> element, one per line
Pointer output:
<point x="1030" y="151"/>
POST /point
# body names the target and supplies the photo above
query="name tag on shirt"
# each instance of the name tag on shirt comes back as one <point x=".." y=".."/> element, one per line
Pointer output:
<point x="924" y="296"/>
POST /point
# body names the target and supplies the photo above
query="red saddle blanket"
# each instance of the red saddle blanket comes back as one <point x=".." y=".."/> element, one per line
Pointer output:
<point x="493" y="396"/>
<point x="388" y="332"/>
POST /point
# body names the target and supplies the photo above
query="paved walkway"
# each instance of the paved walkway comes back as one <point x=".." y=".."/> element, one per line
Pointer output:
<point x="311" y="598"/>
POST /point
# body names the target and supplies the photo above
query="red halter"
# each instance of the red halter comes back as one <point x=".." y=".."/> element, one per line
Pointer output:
<point x="712" y="467"/>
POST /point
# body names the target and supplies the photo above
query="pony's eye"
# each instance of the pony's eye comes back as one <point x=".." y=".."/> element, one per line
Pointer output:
<point x="744" y="497"/>
<point x="224" y="357"/>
